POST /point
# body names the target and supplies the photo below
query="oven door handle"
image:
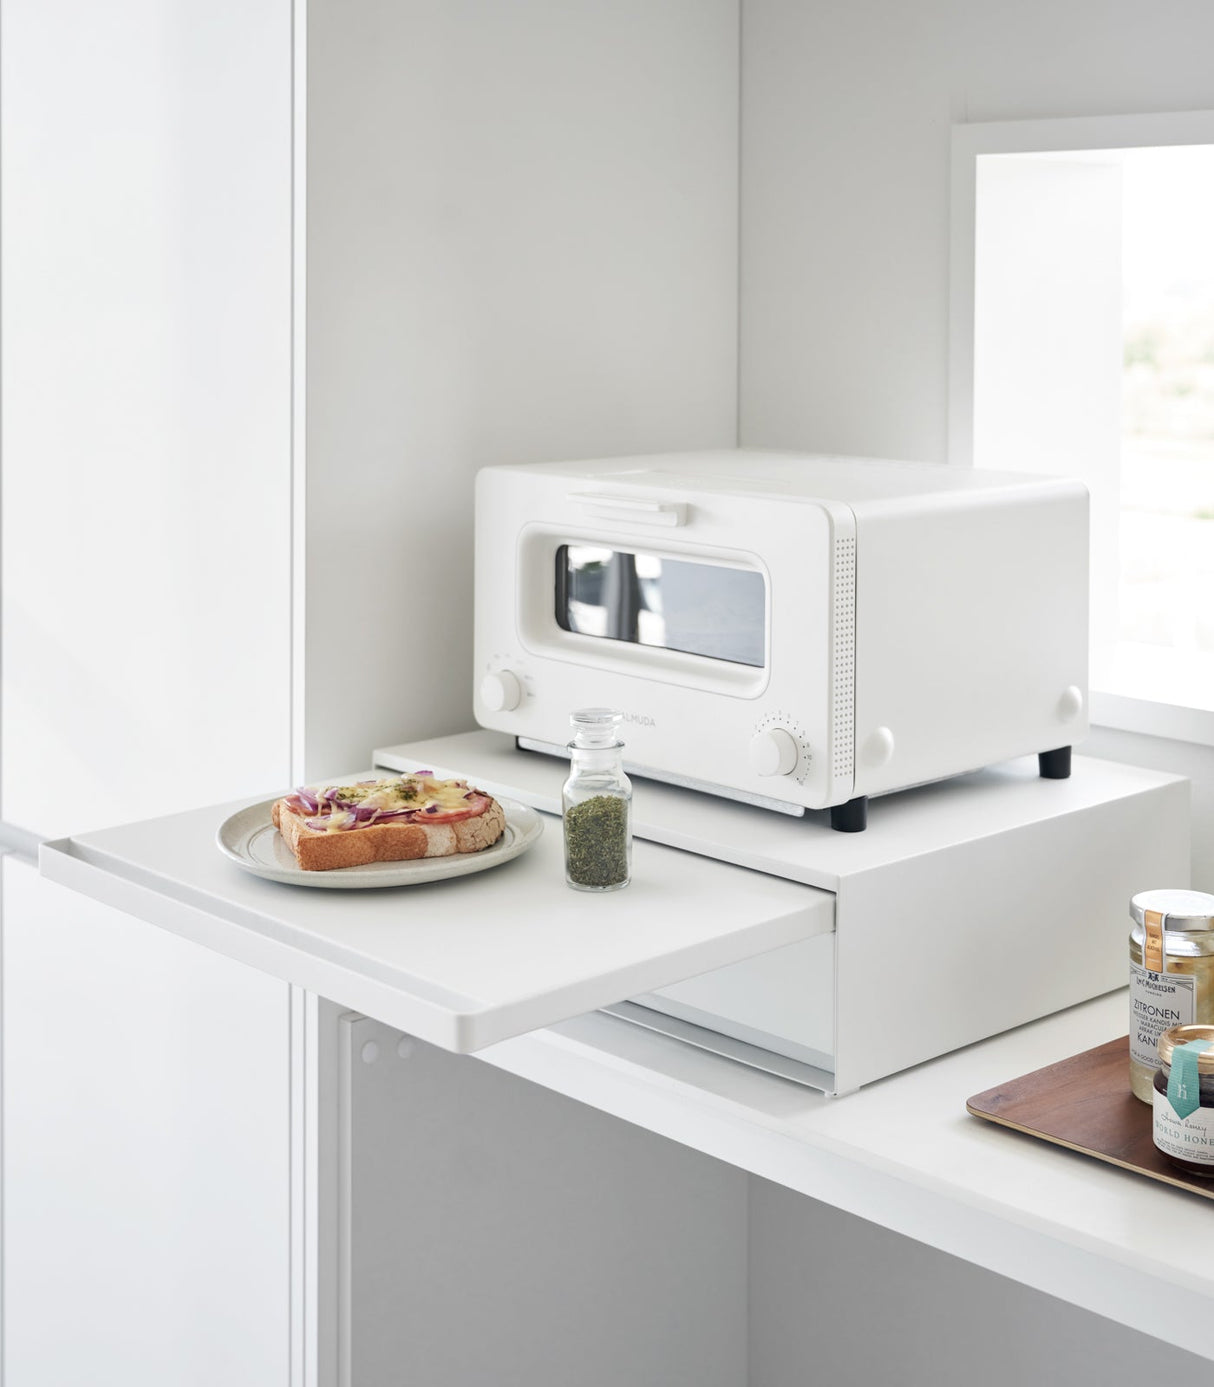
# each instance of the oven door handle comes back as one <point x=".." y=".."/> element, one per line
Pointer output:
<point x="666" y="513"/>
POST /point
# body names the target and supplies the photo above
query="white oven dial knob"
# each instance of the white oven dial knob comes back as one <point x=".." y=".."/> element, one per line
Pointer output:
<point x="501" y="691"/>
<point x="773" y="752"/>
<point x="1070" y="705"/>
<point x="877" y="749"/>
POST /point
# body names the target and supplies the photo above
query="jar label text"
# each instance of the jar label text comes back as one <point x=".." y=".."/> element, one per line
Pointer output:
<point x="1190" y="1138"/>
<point x="1157" y="1001"/>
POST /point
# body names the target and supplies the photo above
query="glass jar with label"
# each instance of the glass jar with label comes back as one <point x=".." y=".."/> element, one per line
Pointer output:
<point x="1171" y="974"/>
<point x="1184" y="1099"/>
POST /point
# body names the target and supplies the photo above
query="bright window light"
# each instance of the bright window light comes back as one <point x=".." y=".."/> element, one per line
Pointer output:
<point x="1094" y="357"/>
<point x="1166" y="591"/>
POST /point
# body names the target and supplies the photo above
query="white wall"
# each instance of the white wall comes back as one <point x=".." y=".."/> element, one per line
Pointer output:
<point x="522" y="245"/>
<point x="846" y="128"/>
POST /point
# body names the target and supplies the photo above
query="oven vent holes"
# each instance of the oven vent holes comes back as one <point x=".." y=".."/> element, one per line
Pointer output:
<point x="844" y="658"/>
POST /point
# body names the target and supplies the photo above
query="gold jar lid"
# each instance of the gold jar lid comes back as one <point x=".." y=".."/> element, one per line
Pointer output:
<point x="1176" y="1036"/>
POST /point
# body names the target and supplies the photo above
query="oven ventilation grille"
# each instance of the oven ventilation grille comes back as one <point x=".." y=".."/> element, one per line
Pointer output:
<point x="844" y="652"/>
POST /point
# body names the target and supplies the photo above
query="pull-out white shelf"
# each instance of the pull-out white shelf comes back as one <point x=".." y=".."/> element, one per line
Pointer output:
<point x="462" y="962"/>
<point x="867" y="937"/>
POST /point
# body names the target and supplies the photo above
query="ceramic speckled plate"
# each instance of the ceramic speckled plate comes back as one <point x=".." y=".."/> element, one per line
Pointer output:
<point x="250" y="839"/>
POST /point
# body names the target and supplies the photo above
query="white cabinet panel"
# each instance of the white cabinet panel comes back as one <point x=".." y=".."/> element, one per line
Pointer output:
<point x="817" y="1275"/>
<point x="498" y="1235"/>
<point x="146" y="1160"/>
<point x="146" y="386"/>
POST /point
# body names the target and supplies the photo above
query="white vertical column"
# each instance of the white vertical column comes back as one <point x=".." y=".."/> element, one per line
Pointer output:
<point x="146" y="293"/>
<point x="146" y="406"/>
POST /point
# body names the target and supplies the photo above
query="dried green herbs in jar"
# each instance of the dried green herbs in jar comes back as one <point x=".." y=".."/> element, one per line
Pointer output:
<point x="597" y="804"/>
<point x="596" y="842"/>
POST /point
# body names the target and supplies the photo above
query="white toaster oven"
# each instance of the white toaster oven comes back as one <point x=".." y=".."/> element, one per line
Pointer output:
<point x="792" y="631"/>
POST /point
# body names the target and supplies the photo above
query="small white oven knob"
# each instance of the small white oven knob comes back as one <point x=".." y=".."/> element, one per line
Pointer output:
<point x="877" y="749"/>
<point x="1070" y="705"/>
<point x="501" y="691"/>
<point x="773" y="752"/>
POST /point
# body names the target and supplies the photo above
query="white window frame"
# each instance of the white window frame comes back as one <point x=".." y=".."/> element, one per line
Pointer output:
<point x="1039" y="137"/>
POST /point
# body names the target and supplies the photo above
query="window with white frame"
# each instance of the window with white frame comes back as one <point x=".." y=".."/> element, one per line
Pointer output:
<point x="1083" y="344"/>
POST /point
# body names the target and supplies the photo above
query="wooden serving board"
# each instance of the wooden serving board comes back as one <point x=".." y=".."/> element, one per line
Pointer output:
<point x="1084" y="1103"/>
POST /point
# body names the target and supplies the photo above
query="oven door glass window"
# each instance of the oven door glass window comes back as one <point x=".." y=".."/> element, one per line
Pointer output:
<point x="670" y="604"/>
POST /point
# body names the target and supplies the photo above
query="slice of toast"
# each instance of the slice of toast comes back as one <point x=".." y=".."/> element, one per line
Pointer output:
<point x="319" y="851"/>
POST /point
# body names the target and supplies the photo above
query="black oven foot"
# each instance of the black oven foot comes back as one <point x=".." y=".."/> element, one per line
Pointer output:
<point x="851" y="817"/>
<point x="1055" y="765"/>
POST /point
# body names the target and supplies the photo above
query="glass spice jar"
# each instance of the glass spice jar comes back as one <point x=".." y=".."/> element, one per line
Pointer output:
<point x="1183" y="1095"/>
<point x="597" y="804"/>
<point x="1171" y="974"/>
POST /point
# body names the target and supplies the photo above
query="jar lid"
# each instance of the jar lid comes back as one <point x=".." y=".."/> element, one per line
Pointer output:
<point x="1181" y="910"/>
<point x="1176" y="1036"/>
<point x="596" y="728"/>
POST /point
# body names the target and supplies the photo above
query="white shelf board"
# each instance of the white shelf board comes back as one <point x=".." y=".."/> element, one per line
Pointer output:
<point x="912" y="823"/>
<point x="462" y="962"/>
<point x="903" y="1153"/>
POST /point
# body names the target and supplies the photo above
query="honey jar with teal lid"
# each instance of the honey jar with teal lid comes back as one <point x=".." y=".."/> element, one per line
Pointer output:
<point x="1171" y="974"/>
<point x="1183" y="1126"/>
